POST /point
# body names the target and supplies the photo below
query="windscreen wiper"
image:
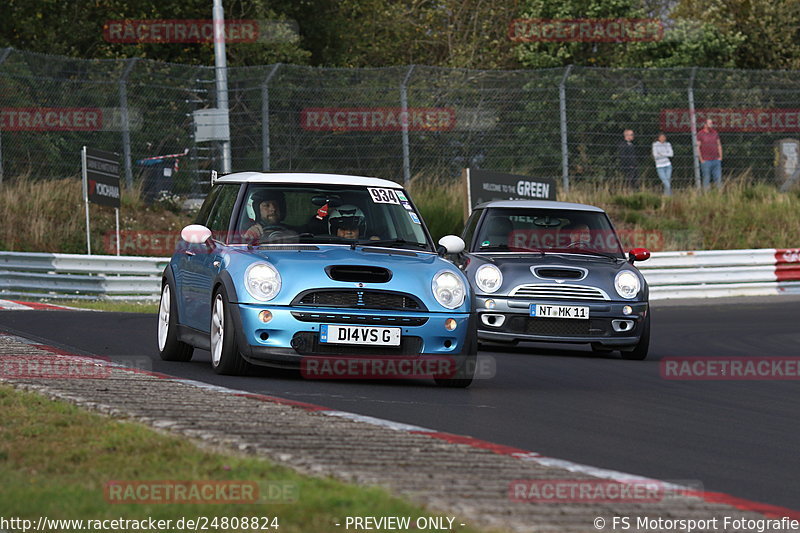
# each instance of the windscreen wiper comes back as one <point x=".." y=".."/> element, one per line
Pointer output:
<point x="584" y="251"/>
<point x="389" y="243"/>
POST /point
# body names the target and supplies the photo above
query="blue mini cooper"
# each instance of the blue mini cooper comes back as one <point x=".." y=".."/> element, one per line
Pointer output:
<point x="281" y="267"/>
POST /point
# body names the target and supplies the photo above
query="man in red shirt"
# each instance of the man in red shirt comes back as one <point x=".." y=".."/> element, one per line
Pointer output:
<point x="710" y="149"/>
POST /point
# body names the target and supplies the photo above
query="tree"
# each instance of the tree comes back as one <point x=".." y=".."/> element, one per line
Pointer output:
<point x="76" y="29"/>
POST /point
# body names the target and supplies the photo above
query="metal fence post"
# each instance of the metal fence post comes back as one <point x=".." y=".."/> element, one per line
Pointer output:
<point x="3" y="56"/>
<point x="265" y="153"/>
<point x="126" y="127"/>
<point x="404" y="113"/>
<point x="562" y="105"/>
<point x="693" y="127"/>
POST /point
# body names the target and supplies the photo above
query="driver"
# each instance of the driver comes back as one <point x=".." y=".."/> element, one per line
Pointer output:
<point x="578" y="234"/>
<point x="270" y="209"/>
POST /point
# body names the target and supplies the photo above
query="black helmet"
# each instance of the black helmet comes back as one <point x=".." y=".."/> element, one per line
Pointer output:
<point x="265" y="195"/>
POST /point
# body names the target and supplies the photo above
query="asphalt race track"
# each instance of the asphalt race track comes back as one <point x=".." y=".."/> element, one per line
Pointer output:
<point x="736" y="437"/>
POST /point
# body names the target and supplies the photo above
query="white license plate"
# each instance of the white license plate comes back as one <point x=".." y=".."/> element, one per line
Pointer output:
<point x="559" y="311"/>
<point x="364" y="335"/>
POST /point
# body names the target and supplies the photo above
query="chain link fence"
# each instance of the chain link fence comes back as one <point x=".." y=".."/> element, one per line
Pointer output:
<point x="563" y="123"/>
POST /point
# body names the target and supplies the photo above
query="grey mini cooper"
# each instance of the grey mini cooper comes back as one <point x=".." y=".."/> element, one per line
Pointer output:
<point x="555" y="272"/>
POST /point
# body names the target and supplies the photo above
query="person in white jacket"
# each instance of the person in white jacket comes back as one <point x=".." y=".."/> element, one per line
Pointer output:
<point x="662" y="151"/>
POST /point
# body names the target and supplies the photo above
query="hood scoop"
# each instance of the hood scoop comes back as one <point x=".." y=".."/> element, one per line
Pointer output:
<point x="559" y="272"/>
<point x="358" y="273"/>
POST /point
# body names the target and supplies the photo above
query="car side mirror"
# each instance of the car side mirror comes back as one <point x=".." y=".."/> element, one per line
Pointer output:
<point x="638" y="254"/>
<point x="450" y="244"/>
<point x="196" y="234"/>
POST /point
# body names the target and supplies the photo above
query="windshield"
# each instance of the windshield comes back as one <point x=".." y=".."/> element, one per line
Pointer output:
<point x="547" y="230"/>
<point x="328" y="214"/>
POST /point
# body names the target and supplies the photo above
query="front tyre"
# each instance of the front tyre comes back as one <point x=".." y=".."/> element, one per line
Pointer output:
<point x="169" y="347"/>
<point x="639" y="352"/>
<point x="225" y="356"/>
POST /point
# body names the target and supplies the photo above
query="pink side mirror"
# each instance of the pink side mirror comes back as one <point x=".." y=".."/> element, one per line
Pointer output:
<point x="195" y="234"/>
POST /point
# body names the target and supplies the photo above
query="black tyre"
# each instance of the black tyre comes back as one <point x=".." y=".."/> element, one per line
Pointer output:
<point x="639" y="353"/>
<point x="225" y="356"/>
<point x="169" y="347"/>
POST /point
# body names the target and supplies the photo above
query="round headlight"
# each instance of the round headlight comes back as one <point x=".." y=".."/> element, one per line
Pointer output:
<point x="488" y="278"/>
<point x="262" y="281"/>
<point x="627" y="284"/>
<point x="448" y="289"/>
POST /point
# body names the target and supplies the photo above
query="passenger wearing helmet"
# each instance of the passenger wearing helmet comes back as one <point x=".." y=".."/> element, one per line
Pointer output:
<point x="269" y="207"/>
<point x="347" y="221"/>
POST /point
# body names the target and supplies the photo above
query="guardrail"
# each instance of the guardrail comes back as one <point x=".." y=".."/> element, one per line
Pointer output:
<point x="701" y="274"/>
<point x="75" y="276"/>
<point x="716" y="273"/>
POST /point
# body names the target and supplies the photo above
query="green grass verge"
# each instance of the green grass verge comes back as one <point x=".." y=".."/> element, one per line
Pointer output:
<point x="108" y="305"/>
<point x="56" y="459"/>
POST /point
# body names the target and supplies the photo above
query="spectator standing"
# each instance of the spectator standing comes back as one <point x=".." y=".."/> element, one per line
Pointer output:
<point x="662" y="151"/>
<point x="709" y="149"/>
<point x="628" y="163"/>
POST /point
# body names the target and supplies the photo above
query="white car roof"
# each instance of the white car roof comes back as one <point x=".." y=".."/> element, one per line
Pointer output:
<point x="303" y="177"/>
<point x="540" y="204"/>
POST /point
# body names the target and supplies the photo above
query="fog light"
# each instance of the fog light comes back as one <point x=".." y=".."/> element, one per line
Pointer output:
<point x="490" y="304"/>
<point x="265" y="316"/>
<point x="450" y="324"/>
<point x="627" y="310"/>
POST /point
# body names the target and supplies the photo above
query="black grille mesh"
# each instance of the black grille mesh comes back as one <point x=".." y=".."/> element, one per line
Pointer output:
<point x="556" y="327"/>
<point x="360" y="299"/>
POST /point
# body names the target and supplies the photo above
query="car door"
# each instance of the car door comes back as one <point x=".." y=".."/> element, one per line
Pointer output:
<point x="203" y="262"/>
<point x="185" y="264"/>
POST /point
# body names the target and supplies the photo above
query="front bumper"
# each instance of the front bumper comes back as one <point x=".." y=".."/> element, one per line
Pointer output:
<point x="293" y="332"/>
<point x="516" y="323"/>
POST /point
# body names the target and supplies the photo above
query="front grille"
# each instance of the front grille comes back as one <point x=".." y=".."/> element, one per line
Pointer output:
<point x="307" y="343"/>
<point x="359" y="299"/>
<point x="360" y="319"/>
<point x="558" y="291"/>
<point x="557" y="327"/>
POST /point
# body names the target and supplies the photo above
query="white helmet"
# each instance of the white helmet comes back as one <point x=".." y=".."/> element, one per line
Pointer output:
<point x="347" y="217"/>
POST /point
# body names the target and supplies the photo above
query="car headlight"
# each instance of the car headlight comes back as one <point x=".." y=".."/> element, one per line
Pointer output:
<point x="448" y="289"/>
<point x="488" y="278"/>
<point x="627" y="284"/>
<point x="262" y="281"/>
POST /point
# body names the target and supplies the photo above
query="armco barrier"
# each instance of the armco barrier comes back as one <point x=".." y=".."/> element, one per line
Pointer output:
<point x="76" y="276"/>
<point x="716" y="273"/>
<point x="701" y="274"/>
